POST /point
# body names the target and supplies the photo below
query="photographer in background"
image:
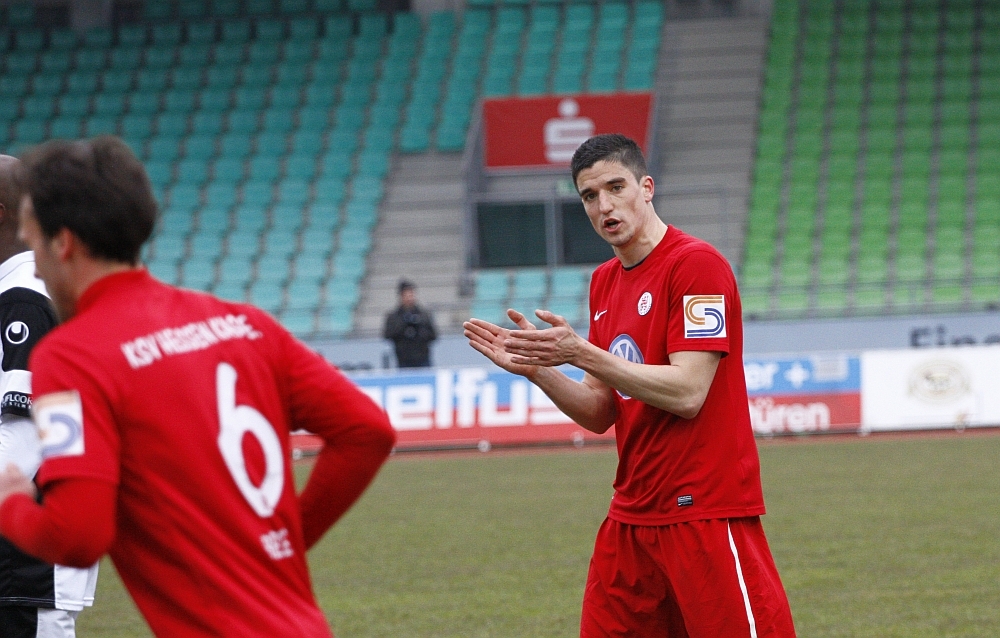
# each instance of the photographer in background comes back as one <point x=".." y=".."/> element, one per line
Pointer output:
<point x="411" y="329"/>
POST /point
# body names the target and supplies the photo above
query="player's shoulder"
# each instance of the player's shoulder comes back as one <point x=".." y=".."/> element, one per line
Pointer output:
<point x="684" y="244"/>
<point x="693" y="251"/>
<point x="606" y="269"/>
<point x="20" y="296"/>
<point x="17" y="276"/>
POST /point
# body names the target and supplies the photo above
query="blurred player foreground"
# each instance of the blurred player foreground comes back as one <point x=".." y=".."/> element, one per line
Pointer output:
<point x="164" y="415"/>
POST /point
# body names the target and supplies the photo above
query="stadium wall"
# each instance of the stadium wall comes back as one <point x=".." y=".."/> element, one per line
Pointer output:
<point x="761" y="337"/>
<point x="841" y="392"/>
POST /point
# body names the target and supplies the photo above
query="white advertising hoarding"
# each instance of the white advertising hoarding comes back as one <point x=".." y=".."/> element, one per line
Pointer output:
<point x="930" y="388"/>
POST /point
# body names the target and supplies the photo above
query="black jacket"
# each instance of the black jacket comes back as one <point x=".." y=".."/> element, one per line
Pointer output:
<point x="412" y="330"/>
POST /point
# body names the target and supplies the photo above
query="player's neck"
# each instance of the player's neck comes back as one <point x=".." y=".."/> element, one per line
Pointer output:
<point x="645" y="240"/>
<point x="88" y="272"/>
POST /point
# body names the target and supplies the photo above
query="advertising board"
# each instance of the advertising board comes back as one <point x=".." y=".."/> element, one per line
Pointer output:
<point x="815" y="393"/>
<point x="931" y="388"/>
<point x="880" y="390"/>
<point x="466" y="406"/>
<point x="543" y="132"/>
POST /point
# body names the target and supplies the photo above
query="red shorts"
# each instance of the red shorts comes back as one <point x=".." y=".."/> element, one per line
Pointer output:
<point x="702" y="579"/>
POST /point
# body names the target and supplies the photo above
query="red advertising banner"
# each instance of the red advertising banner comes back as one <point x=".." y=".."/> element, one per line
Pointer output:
<point x="827" y="412"/>
<point x="545" y="131"/>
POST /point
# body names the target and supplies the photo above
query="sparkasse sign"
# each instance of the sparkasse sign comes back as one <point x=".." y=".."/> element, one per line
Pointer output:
<point x="545" y="131"/>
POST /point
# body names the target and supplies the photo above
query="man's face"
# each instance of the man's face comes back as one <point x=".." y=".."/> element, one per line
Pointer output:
<point x="616" y="203"/>
<point x="47" y="264"/>
<point x="408" y="298"/>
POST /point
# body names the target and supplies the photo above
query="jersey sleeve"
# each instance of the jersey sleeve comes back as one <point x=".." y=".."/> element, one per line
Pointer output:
<point x="25" y="317"/>
<point x="321" y="399"/>
<point x="702" y="294"/>
<point x="356" y="433"/>
<point x="73" y="414"/>
<point x="594" y="302"/>
<point x="75" y="526"/>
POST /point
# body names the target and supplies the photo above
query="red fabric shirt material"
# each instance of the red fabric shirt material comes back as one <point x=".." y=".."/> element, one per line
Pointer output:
<point x="682" y="297"/>
<point x="75" y="527"/>
<point x="185" y="403"/>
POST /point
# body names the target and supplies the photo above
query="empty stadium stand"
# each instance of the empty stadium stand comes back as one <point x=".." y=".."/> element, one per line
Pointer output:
<point x="268" y="128"/>
<point x="875" y="183"/>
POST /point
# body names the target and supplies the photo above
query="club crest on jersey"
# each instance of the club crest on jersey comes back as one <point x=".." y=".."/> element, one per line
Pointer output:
<point x="625" y="347"/>
<point x="704" y="316"/>
<point x="16" y="332"/>
<point x="645" y="303"/>
<point x="59" y="418"/>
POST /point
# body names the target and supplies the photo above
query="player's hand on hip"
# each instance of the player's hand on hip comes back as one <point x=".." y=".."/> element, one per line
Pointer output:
<point x="549" y="347"/>
<point x="14" y="481"/>
<point x="488" y="339"/>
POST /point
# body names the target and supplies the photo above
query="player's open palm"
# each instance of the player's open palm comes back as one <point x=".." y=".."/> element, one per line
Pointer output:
<point x="489" y="339"/>
<point x="548" y="347"/>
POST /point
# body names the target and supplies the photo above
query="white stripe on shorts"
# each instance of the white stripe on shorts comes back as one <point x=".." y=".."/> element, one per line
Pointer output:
<point x="743" y="585"/>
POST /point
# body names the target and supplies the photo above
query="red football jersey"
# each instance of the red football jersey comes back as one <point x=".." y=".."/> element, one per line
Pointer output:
<point x="185" y="402"/>
<point x="682" y="297"/>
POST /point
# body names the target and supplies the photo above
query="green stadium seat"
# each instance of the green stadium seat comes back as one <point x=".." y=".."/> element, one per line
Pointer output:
<point x="143" y="103"/>
<point x="160" y="171"/>
<point x="279" y="120"/>
<point x="492" y="285"/>
<point x="301" y="166"/>
<point x="200" y="147"/>
<point x="82" y="82"/>
<point x="66" y="127"/>
<point x="171" y="125"/>
<point x="264" y="169"/>
<point x="192" y="171"/>
<point x="63" y="39"/>
<point x="101" y="125"/>
<point x="55" y="62"/>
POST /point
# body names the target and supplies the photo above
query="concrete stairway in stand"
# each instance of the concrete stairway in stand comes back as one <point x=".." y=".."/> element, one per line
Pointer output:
<point x="420" y="237"/>
<point x="708" y="87"/>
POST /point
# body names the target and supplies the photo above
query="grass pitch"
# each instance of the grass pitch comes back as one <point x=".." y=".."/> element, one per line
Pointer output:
<point x="880" y="537"/>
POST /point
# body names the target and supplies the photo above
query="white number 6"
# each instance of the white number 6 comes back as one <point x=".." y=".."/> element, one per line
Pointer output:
<point x="235" y="421"/>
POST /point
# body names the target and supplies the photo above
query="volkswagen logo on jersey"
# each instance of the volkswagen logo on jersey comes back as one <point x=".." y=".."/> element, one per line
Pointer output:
<point x="16" y="332"/>
<point x="626" y="348"/>
<point x="704" y="316"/>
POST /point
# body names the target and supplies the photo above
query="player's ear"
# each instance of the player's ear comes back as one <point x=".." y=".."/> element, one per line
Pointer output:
<point x="648" y="188"/>
<point x="65" y="244"/>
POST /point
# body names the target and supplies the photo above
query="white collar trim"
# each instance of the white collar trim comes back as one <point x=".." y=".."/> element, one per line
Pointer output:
<point x="15" y="261"/>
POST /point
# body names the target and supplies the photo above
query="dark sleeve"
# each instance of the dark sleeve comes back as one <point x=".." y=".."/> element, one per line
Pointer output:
<point x="393" y="326"/>
<point x="429" y="321"/>
<point x="25" y="317"/>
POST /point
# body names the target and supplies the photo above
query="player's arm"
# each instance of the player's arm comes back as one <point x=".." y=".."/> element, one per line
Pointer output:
<point x="679" y="388"/>
<point x="74" y="527"/>
<point x="25" y="317"/>
<point x="589" y="403"/>
<point x="72" y="519"/>
<point x="356" y="433"/>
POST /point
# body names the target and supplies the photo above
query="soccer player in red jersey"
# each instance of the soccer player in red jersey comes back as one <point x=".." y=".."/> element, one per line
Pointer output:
<point x="682" y="551"/>
<point x="164" y="416"/>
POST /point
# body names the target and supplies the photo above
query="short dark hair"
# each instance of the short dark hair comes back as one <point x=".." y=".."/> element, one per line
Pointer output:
<point x="96" y="188"/>
<point x="609" y="147"/>
<point x="406" y="284"/>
